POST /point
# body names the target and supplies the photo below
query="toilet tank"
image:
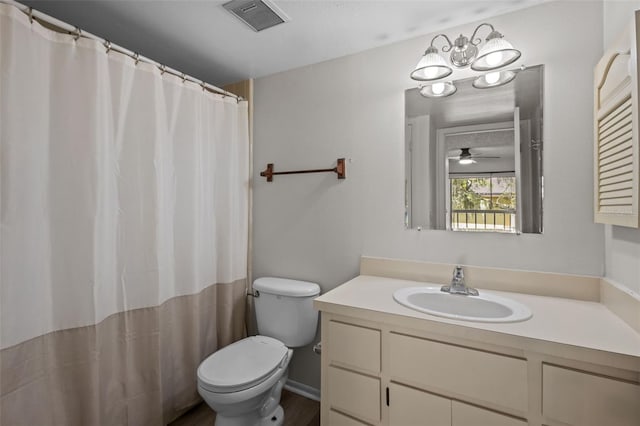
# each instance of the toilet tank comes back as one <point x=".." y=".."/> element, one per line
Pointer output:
<point x="284" y="310"/>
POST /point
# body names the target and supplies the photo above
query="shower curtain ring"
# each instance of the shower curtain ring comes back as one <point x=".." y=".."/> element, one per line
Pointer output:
<point x="136" y="57"/>
<point x="31" y="15"/>
<point x="184" y="77"/>
<point x="77" y="33"/>
<point x="107" y="45"/>
<point x="163" y="69"/>
<point x="204" y="87"/>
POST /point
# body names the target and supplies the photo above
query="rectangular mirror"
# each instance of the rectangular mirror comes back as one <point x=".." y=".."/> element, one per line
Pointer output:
<point x="473" y="160"/>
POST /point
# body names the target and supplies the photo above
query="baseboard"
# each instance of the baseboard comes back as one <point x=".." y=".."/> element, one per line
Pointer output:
<point x="302" y="390"/>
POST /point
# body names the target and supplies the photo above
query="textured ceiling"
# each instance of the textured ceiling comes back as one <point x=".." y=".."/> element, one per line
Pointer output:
<point x="202" y="39"/>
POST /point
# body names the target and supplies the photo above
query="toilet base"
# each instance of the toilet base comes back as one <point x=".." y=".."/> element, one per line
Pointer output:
<point x="275" y="418"/>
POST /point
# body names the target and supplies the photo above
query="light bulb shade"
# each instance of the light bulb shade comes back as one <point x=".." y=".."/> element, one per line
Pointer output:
<point x="466" y="161"/>
<point x="493" y="79"/>
<point x="438" y="90"/>
<point x="432" y="66"/>
<point x="496" y="53"/>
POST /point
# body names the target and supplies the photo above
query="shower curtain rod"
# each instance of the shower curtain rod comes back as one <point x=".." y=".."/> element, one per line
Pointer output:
<point x="77" y="33"/>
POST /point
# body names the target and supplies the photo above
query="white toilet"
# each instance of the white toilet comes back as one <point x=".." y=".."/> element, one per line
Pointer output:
<point x="243" y="381"/>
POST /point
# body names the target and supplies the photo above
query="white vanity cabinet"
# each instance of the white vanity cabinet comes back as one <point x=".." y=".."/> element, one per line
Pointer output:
<point x="376" y="373"/>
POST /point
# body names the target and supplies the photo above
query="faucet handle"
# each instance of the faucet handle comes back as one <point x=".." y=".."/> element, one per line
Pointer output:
<point x="458" y="272"/>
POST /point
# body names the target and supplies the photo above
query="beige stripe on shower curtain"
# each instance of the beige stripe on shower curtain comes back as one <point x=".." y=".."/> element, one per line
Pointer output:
<point x="123" y="237"/>
<point x="134" y="368"/>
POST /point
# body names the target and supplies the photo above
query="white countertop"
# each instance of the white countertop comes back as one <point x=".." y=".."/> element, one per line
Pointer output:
<point x="567" y="322"/>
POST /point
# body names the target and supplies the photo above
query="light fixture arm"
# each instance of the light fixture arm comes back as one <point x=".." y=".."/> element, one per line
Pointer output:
<point x="476" y="41"/>
<point x="445" y="48"/>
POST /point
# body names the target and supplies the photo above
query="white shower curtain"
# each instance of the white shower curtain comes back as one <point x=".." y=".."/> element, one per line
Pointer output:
<point x="123" y="234"/>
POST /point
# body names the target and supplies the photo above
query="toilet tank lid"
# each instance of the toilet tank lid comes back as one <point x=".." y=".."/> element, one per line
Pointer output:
<point x="286" y="287"/>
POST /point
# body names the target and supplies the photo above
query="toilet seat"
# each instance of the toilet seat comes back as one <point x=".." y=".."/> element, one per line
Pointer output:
<point x="242" y="364"/>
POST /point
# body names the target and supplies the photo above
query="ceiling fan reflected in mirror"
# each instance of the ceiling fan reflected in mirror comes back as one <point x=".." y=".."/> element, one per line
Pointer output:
<point x="466" y="157"/>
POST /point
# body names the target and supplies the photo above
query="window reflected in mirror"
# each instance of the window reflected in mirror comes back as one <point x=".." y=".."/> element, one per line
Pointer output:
<point x="481" y="202"/>
<point x="473" y="161"/>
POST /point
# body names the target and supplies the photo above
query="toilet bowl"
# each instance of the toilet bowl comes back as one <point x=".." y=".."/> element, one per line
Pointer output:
<point x="242" y="382"/>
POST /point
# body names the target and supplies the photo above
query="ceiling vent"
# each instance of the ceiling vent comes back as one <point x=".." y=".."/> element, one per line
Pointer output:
<point x="258" y="14"/>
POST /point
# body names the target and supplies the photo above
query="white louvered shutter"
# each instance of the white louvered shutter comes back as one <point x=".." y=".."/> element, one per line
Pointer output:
<point x="616" y="133"/>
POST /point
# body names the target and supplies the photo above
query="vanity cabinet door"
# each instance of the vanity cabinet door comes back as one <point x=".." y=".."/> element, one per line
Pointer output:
<point x="468" y="415"/>
<point x="408" y="407"/>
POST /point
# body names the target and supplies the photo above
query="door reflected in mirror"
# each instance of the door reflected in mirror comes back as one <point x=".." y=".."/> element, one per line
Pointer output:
<point x="473" y="161"/>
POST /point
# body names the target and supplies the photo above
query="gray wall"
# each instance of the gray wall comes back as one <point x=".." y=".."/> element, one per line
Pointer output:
<point x="314" y="227"/>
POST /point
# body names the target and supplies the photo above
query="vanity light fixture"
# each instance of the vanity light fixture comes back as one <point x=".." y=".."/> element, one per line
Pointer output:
<point x="495" y="53"/>
<point x="439" y="89"/>
<point x="493" y="79"/>
<point x="432" y="66"/>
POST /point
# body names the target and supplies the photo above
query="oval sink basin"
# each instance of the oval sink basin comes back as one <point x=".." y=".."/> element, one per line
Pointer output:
<point x="486" y="307"/>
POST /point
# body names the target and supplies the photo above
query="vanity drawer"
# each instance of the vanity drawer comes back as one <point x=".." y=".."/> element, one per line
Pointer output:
<point x="355" y="394"/>
<point x="459" y="372"/>
<point x="354" y="346"/>
<point x="584" y="399"/>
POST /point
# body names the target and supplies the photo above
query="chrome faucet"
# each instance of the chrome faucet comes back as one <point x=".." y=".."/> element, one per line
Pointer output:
<point x="457" y="284"/>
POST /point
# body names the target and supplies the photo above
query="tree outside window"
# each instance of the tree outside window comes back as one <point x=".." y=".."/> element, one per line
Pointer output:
<point x="480" y="203"/>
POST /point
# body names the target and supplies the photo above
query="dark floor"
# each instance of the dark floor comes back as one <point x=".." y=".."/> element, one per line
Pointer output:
<point x="298" y="411"/>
